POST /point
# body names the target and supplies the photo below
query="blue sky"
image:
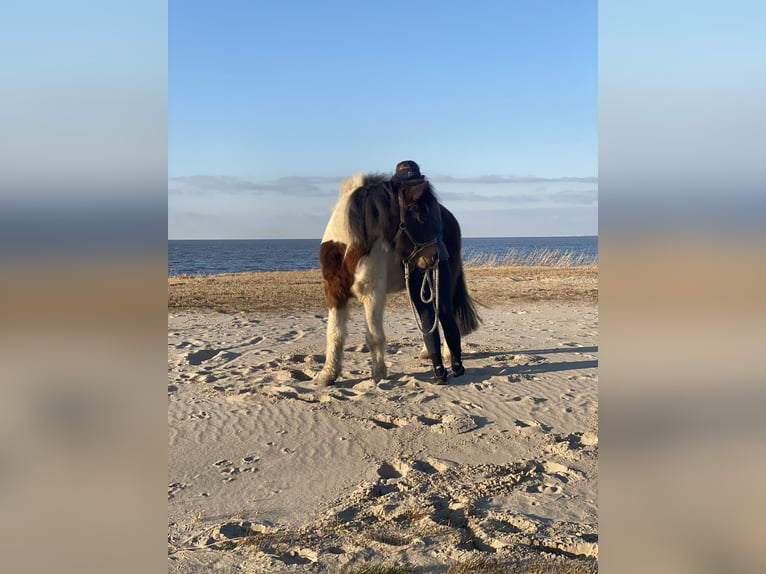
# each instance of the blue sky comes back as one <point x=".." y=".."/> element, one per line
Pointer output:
<point x="271" y="104"/>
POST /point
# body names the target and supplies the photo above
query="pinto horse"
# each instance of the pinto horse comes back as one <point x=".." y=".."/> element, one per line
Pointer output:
<point x="378" y="240"/>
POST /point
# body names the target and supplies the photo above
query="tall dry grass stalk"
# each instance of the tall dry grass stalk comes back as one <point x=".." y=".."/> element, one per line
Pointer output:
<point x="535" y="258"/>
<point x="375" y="568"/>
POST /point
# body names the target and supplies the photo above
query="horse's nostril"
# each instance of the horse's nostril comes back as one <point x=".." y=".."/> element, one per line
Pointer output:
<point x="426" y="262"/>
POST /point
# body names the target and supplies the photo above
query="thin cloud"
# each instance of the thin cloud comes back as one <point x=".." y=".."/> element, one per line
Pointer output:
<point x="569" y="197"/>
<point x="499" y="179"/>
<point x="313" y="186"/>
<point x="201" y="183"/>
<point x="291" y="185"/>
<point x="307" y="185"/>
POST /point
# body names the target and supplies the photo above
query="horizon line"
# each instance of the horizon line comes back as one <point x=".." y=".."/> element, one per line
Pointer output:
<point x="319" y="238"/>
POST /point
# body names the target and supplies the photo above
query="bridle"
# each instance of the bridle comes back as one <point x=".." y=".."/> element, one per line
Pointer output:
<point x="430" y="274"/>
<point x="418" y="247"/>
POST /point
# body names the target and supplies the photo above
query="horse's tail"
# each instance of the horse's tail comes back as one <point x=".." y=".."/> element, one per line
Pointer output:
<point x="463" y="307"/>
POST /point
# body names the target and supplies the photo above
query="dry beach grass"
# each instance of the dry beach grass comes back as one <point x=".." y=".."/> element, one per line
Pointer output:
<point x="302" y="290"/>
<point x="494" y="472"/>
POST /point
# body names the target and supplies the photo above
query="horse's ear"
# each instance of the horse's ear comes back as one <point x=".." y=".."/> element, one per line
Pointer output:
<point x="415" y="192"/>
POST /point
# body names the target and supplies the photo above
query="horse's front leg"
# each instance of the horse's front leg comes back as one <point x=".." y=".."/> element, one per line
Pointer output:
<point x="374" y="303"/>
<point x="336" y="338"/>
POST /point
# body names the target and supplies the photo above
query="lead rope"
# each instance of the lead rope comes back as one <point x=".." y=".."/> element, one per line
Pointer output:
<point x="430" y="278"/>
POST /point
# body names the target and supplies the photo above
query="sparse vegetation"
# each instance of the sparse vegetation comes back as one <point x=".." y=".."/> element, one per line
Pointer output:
<point x="534" y="258"/>
<point x="478" y="564"/>
<point x="483" y="564"/>
<point x="388" y="536"/>
<point x="375" y="568"/>
<point x="303" y="290"/>
<point x="197" y="516"/>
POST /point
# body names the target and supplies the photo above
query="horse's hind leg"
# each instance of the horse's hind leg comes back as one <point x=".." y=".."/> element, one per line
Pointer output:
<point x="375" y="336"/>
<point x="336" y="338"/>
<point x="424" y="354"/>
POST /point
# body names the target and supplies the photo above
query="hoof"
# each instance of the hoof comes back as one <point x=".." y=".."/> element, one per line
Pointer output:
<point x="324" y="379"/>
<point x="380" y="374"/>
<point x="458" y="369"/>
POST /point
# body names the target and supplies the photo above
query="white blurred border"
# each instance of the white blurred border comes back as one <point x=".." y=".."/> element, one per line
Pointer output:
<point x="83" y="272"/>
<point x="682" y="269"/>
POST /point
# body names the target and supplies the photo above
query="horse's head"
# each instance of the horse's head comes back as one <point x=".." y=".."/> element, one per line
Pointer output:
<point x="415" y="240"/>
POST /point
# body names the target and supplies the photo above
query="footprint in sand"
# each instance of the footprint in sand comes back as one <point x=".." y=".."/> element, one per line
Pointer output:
<point x="304" y="359"/>
<point x="512" y="524"/>
<point x="544" y="488"/>
<point x="337" y="394"/>
<point x="291" y="336"/>
<point x="174" y="487"/>
<point x="393" y="348"/>
<point x="384" y="422"/>
<point x="401" y="468"/>
<point x="529" y="424"/>
<point x="228" y="470"/>
<point x="287" y="392"/>
<point x="299" y="375"/>
<point x="444" y="424"/>
<point x="199" y="357"/>
<point x="419" y="396"/>
<point x="363" y="348"/>
<point x="578" y="440"/>
<point x="430" y="421"/>
<point x="264" y="366"/>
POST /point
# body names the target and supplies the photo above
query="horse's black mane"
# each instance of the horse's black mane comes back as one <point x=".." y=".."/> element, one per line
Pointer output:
<point x="374" y="210"/>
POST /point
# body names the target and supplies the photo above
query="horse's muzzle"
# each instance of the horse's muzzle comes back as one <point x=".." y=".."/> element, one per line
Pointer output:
<point x="424" y="256"/>
<point x="428" y="260"/>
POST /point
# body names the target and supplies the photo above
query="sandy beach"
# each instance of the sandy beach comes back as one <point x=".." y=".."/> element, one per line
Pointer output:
<point x="269" y="473"/>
